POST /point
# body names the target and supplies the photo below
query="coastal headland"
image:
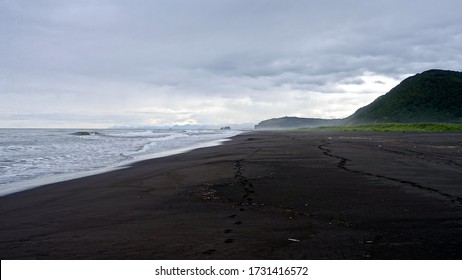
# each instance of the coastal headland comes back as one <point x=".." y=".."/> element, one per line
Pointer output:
<point x="263" y="195"/>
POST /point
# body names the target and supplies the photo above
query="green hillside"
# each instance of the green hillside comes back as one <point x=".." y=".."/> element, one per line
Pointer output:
<point x="432" y="96"/>
<point x="294" y="122"/>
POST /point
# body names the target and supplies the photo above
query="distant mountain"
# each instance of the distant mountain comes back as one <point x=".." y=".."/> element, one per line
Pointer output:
<point x="294" y="122"/>
<point x="431" y="96"/>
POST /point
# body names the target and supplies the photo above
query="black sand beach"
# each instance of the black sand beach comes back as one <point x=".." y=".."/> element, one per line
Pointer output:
<point x="263" y="195"/>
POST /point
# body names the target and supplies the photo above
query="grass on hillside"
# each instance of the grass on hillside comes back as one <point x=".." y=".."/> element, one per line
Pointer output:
<point x="398" y="127"/>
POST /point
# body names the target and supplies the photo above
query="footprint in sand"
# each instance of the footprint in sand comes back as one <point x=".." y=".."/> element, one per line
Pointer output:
<point x="209" y="252"/>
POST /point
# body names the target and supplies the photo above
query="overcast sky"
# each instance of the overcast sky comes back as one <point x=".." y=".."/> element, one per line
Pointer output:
<point x="162" y="62"/>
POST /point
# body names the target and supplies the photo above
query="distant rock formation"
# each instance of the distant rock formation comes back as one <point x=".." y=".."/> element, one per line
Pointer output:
<point x="85" y="133"/>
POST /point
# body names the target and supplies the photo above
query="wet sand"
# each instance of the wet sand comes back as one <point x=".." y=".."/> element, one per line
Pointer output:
<point x="263" y="195"/>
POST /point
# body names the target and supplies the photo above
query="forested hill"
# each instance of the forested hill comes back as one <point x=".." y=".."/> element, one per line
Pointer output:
<point x="431" y="96"/>
<point x="294" y="122"/>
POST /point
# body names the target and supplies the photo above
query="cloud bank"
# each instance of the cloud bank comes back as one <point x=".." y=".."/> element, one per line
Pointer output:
<point x="104" y="63"/>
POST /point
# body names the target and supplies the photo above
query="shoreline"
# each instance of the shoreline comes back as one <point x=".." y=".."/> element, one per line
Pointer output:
<point x="262" y="195"/>
<point x="14" y="187"/>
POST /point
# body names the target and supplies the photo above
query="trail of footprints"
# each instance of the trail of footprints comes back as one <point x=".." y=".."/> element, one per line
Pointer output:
<point x="247" y="200"/>
<point x="440" y="160"/>
<point x="342" y="165"/>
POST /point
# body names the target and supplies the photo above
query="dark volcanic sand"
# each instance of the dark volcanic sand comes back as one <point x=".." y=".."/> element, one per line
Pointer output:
<point x="338" y="195"/>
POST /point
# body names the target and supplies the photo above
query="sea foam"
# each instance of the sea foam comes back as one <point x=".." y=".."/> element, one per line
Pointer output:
<point x="33" y="157"/>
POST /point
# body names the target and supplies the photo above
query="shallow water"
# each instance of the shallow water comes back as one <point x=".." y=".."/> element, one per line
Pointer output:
<point x="31" y="156"/>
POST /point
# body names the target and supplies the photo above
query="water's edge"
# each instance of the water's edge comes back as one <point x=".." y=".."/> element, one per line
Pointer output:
<point x="20" y="186"/>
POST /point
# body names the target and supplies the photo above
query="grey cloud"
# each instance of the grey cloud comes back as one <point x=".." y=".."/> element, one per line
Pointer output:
<point x="163" y="52"/>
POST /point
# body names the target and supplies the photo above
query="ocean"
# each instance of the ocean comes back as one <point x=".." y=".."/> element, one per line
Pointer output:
<point x="33" y="157"/>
